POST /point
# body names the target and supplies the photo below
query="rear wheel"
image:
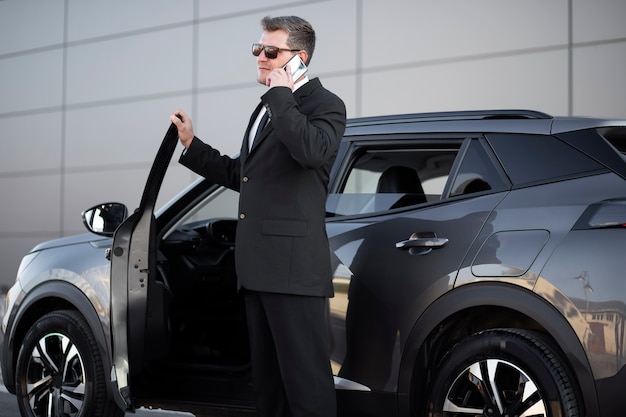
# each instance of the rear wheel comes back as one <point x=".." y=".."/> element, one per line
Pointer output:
<point x="59" y="370"/>
<point x="502" y="372"/>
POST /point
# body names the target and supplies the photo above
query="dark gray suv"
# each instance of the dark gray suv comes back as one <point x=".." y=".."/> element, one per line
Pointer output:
<point x="479" y="263"/>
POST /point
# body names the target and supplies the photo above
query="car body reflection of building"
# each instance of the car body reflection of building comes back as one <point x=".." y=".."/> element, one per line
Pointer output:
<point x="604" y="336"/>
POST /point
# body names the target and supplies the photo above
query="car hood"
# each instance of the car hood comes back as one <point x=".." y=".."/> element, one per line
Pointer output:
<point x="71" y="240"/>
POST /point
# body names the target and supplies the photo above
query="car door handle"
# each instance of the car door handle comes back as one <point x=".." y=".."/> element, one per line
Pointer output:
<point x="427" y="240"/>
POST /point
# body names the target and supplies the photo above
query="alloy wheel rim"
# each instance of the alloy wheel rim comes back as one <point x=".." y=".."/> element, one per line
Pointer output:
<point x="494" y="387"/>
<point x="55" y="377"/>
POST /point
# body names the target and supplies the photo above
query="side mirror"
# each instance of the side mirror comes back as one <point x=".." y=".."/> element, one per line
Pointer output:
<point x="104" y="219"/>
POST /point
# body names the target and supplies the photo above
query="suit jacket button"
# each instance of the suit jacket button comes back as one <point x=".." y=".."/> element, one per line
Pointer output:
<point x="244" y="179"/>
<point x="242" y="216"/>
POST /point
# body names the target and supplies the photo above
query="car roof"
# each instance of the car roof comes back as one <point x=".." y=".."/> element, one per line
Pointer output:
<point x="483" y="121"/>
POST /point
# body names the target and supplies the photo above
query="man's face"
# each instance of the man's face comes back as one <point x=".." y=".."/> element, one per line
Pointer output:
<point x="276" y="38"/>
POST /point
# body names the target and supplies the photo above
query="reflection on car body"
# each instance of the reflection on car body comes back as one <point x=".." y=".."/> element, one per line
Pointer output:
<point x="472" y="251"/>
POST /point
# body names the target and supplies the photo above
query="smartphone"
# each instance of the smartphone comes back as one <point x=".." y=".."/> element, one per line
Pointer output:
<point x="297" y="67"/>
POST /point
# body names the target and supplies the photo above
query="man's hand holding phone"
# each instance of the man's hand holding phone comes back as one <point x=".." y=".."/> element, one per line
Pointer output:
<point x="288" y="74"/>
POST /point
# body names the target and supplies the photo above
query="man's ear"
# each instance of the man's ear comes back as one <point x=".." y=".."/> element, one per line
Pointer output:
<point x="304" y="56"/>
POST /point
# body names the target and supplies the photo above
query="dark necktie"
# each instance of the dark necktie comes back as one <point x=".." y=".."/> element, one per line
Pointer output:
<point x="262" y="124"/>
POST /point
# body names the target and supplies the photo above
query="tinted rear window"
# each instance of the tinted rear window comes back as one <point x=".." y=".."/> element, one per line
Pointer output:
<point x="616" y="137"/>
<point x="476" y="173"/>
<point x="536" y="158"/>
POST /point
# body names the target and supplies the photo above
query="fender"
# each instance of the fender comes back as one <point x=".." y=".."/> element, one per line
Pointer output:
<point x="72" y="296"/>
<point x="499" y="295"/>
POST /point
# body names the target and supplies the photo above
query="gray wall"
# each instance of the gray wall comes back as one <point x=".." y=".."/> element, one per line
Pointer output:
<point x="86" y="87"/>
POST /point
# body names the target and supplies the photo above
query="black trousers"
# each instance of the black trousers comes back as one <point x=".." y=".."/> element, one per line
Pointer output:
<point x="290" y="355"/>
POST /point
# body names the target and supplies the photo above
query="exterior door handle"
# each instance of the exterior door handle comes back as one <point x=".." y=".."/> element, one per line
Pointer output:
<point x="421" y="243"/>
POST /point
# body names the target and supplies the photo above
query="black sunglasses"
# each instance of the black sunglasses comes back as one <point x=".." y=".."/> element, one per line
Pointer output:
<point x="271" y="52"/>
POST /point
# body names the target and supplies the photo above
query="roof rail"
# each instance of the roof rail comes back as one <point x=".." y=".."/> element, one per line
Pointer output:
<point x="451" y="115"/>
<point x="516" y="114"/>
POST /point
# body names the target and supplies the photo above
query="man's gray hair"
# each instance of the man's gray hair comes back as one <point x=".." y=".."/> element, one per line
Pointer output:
<point x="301" y="33"/>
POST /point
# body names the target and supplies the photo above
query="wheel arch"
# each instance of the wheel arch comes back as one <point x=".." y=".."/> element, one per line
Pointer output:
<point x="480" y="306"/>
<point x="48" y="297"/>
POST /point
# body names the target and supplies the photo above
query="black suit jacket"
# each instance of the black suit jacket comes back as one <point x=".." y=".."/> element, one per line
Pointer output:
<point x="281" y="243"/>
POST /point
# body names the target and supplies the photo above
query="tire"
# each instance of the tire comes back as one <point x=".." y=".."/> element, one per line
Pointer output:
<point x="59" y="370"/>
<point x="502" y="372"/>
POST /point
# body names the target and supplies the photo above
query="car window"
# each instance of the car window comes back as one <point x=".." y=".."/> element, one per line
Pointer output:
<point x="385" y="179"/>
<point x="535" y="158"/>
<point x="616" y="135"/>
<point x="220" y="204"/>
<point x="477" y="173"/>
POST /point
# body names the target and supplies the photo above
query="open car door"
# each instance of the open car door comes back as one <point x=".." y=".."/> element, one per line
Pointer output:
<point x="133" y="268"/>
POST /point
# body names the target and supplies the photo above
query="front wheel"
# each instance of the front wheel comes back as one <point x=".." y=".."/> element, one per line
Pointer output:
<point x="502" y="372"/>
<point x="59" y="370"/>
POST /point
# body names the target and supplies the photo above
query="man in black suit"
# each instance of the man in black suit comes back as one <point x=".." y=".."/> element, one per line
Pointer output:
<point x="282" y="253"/>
